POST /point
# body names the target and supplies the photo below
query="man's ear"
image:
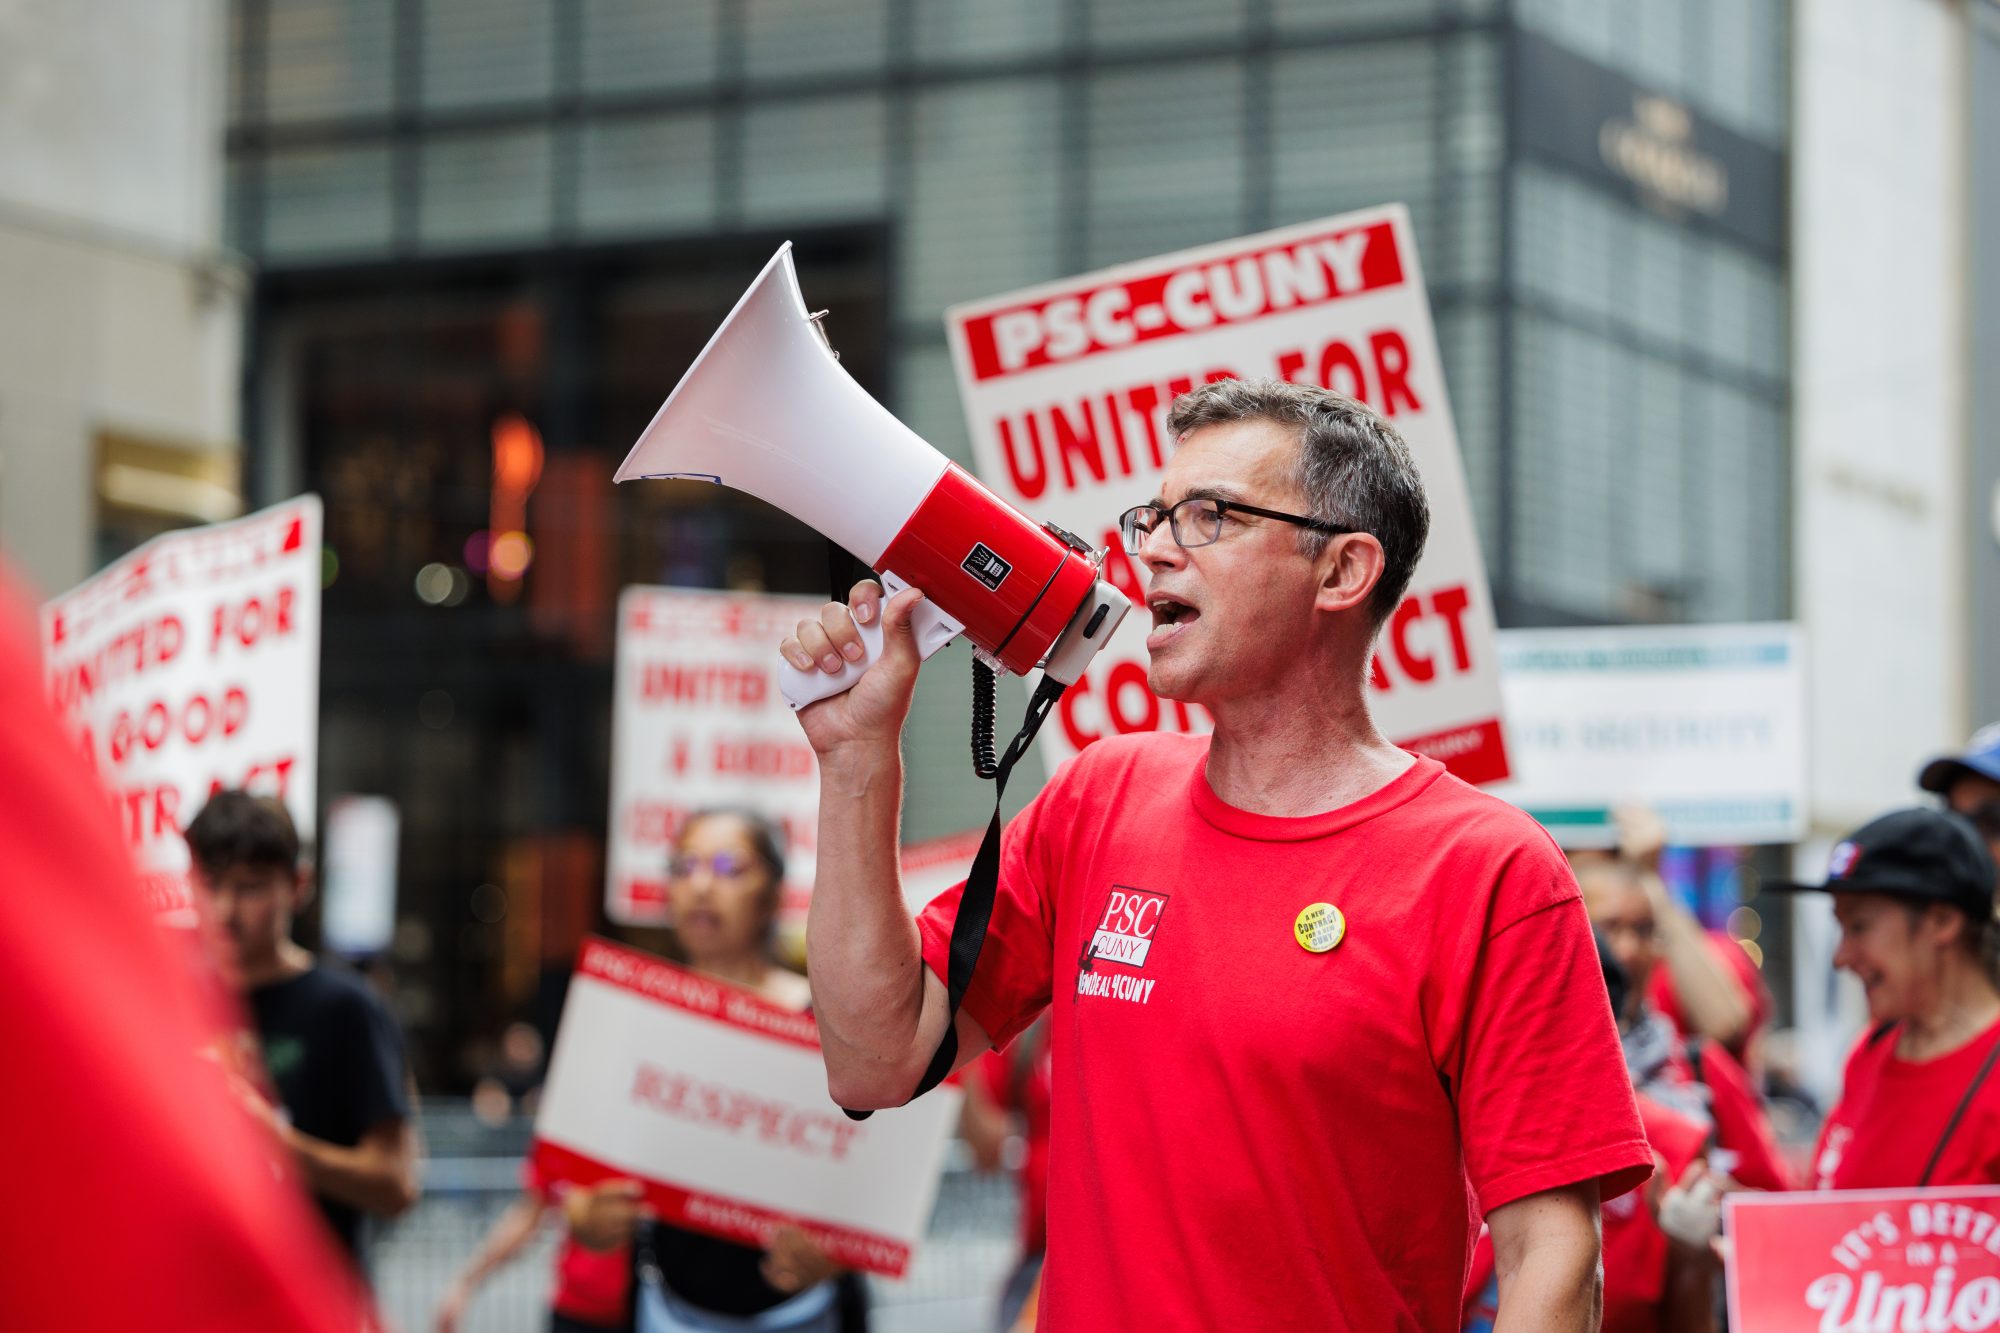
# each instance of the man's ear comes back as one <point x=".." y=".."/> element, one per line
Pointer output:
<point x="1349" y="568"/>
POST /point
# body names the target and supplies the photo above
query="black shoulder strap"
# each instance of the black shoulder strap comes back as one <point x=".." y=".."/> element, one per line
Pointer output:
<point x="1958" y="1112"/>
<point x="1695" y="1046"/>
<point x="975" y="904"/>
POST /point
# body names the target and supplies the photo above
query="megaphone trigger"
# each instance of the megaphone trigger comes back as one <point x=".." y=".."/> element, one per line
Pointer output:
<point x="931" y="627"/>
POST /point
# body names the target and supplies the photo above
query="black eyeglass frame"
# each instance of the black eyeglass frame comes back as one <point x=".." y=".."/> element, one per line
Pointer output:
<point x="1134" y="539"/>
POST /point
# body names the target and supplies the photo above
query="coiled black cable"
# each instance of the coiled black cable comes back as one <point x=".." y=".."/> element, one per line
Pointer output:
<point x="984" y="762"/>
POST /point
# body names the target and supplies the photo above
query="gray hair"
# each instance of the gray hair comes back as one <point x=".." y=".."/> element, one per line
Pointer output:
<point x="1353" y="468"/>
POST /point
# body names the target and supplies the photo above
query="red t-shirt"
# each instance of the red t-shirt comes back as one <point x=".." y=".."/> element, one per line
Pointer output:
<point x="144" y="1194"/>
<point x="1892" y="1113"/>
<point x="1018" y="1080"/>
<point x="1635" y="1249"/>
<point x="592" y="1286"/>
<point x="1249" y="1135"/>
<point x="1742" y="1127"/>
<point x="1660" y="992"/>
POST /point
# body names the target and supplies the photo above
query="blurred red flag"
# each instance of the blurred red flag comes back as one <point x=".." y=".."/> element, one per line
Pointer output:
<point x="140" y="1193"/>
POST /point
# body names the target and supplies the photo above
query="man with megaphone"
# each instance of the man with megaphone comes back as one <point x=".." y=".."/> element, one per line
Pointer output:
<point x="1317" y="1005"/>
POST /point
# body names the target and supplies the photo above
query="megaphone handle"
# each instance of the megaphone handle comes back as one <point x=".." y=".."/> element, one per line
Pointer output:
<point x="932" y="627"/>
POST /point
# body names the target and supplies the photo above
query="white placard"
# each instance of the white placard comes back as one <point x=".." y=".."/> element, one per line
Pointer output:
<point x="1066" y="388"/>
<point x="191" y="665"/>
<point x="358" y="874"/>
<point x="716" y="1101"/>
<point x="1703" y="723"/>
<point x="697" y="722"/>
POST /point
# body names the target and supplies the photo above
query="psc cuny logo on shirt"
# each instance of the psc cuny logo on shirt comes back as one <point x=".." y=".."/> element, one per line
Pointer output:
<point x="1124" y="935"/>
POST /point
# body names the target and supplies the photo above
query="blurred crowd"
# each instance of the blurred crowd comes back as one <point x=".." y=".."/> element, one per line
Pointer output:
<point x="317" y="1062"/>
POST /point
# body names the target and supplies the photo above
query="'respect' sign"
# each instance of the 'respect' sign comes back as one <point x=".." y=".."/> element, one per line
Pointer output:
<point x="715" y="1099"/>
<point x="1066" y="390"/>
<point x="697" y="723"/>
<point x="1855" y="1260"/>
<point x="189" y="666"/>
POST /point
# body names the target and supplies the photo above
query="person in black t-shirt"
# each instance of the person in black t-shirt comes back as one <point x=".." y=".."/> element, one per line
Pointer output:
<point x="333" y="1053"/>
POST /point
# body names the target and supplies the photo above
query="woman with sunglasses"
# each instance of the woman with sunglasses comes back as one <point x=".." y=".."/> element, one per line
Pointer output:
<point x="1913" y="892"/>
<point x="724" y="880"/>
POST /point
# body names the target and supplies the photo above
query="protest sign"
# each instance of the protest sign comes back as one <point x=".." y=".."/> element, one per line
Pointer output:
<point x="934" y="865"/>
<point x="1066" y="388"/>
<point x="697" y="722"/>
<point x="192" y="665"/>
<point x="357" y="874"/>
<point x="716" y="1101"/>
<point x="1857" y="1260"/>
<point x="1703" y="724"/>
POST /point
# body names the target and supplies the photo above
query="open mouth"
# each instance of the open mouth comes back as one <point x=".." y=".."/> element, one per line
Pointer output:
<point x="1168" y="609"/>
<point x="1171" y="615"/>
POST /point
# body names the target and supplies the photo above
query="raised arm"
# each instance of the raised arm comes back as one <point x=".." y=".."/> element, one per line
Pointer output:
<point x="1713" y="1001"/>
<point x="880" y="1010"/>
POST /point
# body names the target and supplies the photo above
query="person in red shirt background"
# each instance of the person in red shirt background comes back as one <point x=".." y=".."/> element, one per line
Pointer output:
<point x="1314" y="1002"/>
<point x="1700" y="1079"/>
<point x="1652" y="1282"/>
<point x="1913" y="891"/>
<point x="1004" y="1090"/>
<point x="144" y="1195"/>
<point x="1704" y="982"/>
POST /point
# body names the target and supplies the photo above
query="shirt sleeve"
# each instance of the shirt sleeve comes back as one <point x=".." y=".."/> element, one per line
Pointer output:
<point x="376" y="1063"/>
<point x="1011" y="984"/>
<point x="1543" y="1097"/>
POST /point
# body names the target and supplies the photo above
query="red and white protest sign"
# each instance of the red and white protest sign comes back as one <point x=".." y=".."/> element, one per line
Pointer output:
<point x="697" y="722"/>
<point x="1860" y="1260"/>
<point x="716" y="1101"/>
<point x="1066" y="388"/>
<point x="191" y="665"/>
<point x="936" y="864"/>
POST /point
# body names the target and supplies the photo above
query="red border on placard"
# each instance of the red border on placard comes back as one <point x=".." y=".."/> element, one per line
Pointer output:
<point x="1782" y="1214"/>
<point x="962" y="846"/>
<point x="731" y="1219"/>
<point x="1382" y="266"/>
<point x="664" y="983"/>
<point x="1475" y="753"/>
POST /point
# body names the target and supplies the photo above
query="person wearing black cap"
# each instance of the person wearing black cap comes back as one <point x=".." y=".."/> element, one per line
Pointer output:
<point x="1913" y="891"/>
<point x="1970" y="783"/>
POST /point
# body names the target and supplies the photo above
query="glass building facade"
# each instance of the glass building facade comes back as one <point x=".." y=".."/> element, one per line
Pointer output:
<point x="467" y="209"/>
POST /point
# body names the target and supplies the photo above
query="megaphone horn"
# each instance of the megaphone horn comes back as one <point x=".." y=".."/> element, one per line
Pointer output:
<point x="767" y="409"/>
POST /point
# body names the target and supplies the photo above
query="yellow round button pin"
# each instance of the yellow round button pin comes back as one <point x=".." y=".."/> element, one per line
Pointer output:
<point x="1319" y="928"/>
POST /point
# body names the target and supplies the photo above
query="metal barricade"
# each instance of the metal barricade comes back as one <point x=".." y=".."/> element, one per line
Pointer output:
<point x="473" y="1173"/>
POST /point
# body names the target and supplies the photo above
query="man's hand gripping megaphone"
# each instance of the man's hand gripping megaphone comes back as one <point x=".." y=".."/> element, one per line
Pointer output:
<point x="868" y="651"/>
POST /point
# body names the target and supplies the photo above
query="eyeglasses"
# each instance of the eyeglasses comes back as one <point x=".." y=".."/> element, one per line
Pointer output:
<point x="722" y="865"/>
<point x="1197" y="521"/>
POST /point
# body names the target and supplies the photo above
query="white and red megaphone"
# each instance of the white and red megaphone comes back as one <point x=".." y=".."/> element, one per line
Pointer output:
<point x="767" y="409"/>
